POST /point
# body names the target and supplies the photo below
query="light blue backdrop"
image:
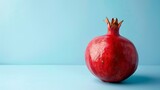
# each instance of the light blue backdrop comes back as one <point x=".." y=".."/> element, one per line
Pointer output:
<point x="58" y="31"/>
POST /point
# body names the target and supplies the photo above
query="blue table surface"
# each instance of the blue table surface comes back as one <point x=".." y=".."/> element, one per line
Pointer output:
<point x="72" y="77"/>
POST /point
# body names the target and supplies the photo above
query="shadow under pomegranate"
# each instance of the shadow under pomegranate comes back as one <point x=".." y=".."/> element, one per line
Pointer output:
<point x="133" y="80"/>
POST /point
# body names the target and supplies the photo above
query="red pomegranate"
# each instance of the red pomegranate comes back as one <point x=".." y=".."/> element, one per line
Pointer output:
<point x="111" y="57"/>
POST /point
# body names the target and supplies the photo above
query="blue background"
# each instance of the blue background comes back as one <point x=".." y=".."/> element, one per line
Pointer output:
<point x="58" y="31"/>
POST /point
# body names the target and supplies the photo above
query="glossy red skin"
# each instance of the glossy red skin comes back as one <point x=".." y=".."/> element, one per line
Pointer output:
<point x="111" y="57"/>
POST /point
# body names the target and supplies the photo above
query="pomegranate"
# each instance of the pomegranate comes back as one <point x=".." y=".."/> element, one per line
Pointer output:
<point x="111" y="57"/>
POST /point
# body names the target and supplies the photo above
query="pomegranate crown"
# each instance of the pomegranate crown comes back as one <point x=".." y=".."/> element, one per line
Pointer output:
<point x="114" y="23"/>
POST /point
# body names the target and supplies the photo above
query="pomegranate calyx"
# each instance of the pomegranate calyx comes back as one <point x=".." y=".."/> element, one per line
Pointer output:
<point x="113" y="23"/>
<point x="113" y="26"/>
